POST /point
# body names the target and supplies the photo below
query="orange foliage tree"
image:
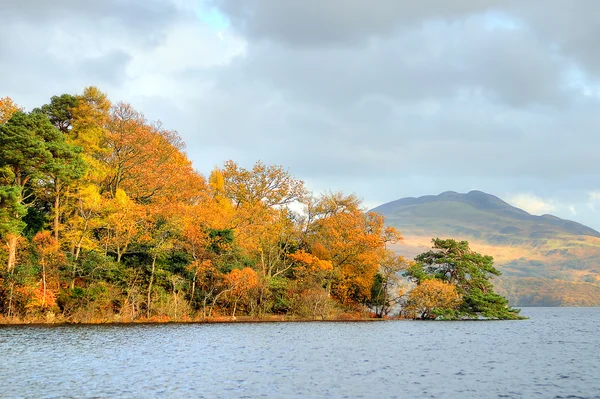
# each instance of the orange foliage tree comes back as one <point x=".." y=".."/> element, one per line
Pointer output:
<point x="50" y="257"/>
<point x="338" y="230"/>
<point x="147" y="161"/>
<point x="242" y="285"/>
<point x="137" y="221"/>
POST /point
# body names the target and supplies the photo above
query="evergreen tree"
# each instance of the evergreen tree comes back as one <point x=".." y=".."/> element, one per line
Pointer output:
<point x="454" y="262"/>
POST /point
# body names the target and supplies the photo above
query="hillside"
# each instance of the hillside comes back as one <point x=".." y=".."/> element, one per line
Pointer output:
<point x="545" y="260"/>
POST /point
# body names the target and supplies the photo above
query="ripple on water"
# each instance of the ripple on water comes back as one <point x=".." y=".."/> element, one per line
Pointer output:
<point x="551" y="355"/>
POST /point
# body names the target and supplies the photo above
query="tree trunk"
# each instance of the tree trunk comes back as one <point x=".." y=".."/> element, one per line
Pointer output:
<point x="57" y="210"/>
<point x="12" y="243"/>
<point x="150" y="286"/>
<point x="10" y="298"/>
<point x="204" y="307"/>
<point x="73" y="274"/>
<point x="193" y="288"/>
<point x="234" y="308"/>
<point x="43" y="283"/>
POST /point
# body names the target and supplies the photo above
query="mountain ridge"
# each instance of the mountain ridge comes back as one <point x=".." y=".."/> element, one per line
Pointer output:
<point x="545" y="260"/>
<point x="485" y="201"/>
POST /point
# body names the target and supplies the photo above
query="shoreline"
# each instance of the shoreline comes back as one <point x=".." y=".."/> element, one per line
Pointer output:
<point x="146" y="322"/>
<point x="219" y="320"/>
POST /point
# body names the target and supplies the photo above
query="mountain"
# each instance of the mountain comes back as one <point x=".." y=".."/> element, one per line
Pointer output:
<point x="545" y="260"/>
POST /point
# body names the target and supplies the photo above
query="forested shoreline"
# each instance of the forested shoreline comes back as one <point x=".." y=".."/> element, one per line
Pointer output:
<point x="104" y="219"/>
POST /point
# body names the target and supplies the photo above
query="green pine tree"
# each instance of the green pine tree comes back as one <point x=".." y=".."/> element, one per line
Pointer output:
<point x="454" y="262"/>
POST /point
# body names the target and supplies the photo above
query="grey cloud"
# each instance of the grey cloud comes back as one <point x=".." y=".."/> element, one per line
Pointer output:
<point x="324" y="23"/>
<point x="385" y="99"/>
<point x="573" y="26"/>
<point x="64" y="45"/>
<point x="438" y="61"/>
<point x="107" y="68"/>
<point x="135" y="14"/>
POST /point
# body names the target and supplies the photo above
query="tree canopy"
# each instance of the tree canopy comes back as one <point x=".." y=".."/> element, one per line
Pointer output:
<point x="104" y="218"/>
<point x="454" y="263"/>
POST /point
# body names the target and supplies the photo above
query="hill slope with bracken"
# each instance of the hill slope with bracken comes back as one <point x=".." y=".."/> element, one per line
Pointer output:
<point x="545" y="260"/>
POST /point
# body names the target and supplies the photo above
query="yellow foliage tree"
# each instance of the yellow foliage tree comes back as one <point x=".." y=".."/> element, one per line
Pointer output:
<point x="7" y="109"/>
<point x="122" y="223"/>
<point x="431" y="299"/>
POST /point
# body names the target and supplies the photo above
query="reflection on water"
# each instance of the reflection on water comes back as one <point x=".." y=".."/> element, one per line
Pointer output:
<point x="553" y="354"/>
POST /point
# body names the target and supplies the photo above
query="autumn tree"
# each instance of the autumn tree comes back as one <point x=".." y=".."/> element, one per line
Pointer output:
<point x="90" y="114"/>
<point x="50" y="258"/>
<point x="337" y="229"/>
<point x="271" y="185"/>
<point x="241" y="285"/>
<point x="470" y="272"/>
<point x="7" y="109"/>
<point x="122" y="224"/>
<point x="431" y="299"/>
<point x="258" y="201"/>
<point x="310" y="297"/>
<point x="147" y="160"/>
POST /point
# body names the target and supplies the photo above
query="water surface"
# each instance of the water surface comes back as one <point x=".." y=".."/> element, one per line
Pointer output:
<point x="554" y="354"/>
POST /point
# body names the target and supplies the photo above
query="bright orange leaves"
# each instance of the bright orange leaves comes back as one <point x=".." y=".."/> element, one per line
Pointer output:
<point x="157" y="238"/>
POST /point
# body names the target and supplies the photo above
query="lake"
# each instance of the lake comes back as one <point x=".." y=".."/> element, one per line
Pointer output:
<point x="554" y="354"/>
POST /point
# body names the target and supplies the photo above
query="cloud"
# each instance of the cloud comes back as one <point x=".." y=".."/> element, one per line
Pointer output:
<point x="532" y="204"/>
<point x="338" y="22"/>
<point x="402" y="99"/>
<point x="593" y="200"/>
<point x="573" y="210"/>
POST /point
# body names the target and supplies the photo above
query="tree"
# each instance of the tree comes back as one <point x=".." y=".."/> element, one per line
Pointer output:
<point x="338" y="230"/>
<point x="24" y="157"/>
<point x="386" y="290"/>
<point x="7" y="109"/>
<point x="122" y="224"/>
<point x="271" y="185"/>
<point x="88" y="131"/>
<point x="241" y="284"/>
<point x="50" y="257"/>
<point x="161" y="232"/>
<point x="431" y="299"/>
<point x="147" y="161"/>
<point x="11" y="220"/>
<point x="470" y="272"/>
<point x="60" y="111"/>
<point x="65" y="168"/>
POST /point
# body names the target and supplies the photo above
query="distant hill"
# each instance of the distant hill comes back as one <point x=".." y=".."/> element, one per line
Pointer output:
<point x="545" y="260"/>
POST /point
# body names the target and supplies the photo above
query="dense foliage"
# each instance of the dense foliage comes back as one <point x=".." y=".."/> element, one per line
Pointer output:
<point x="454" y="282"/>
<point x="103" y="218"/>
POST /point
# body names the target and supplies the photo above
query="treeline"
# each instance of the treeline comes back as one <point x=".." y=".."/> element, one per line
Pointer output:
<point x="103" y="218"/>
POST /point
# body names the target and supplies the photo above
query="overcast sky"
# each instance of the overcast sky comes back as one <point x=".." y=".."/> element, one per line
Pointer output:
<point x="384" y="99"/>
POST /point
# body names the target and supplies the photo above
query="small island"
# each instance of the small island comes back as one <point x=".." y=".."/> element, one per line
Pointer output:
<point x="104" y="220"/>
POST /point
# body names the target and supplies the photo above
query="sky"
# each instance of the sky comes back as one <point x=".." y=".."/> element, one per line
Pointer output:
<point x="383" y="99"/>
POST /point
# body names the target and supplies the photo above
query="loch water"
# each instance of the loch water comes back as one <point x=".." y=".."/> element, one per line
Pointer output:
<point x="553" y="354"/>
